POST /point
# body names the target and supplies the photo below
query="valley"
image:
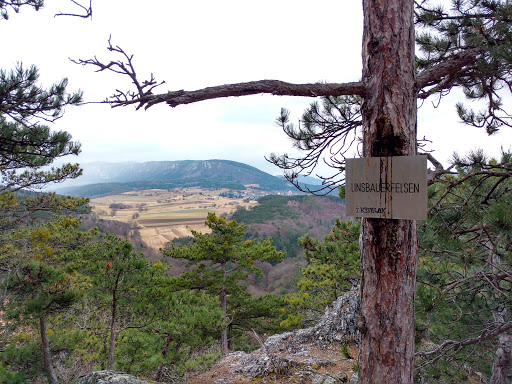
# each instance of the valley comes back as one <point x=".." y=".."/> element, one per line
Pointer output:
<point x="163" y="215"/>
<point x="158" y="216"/>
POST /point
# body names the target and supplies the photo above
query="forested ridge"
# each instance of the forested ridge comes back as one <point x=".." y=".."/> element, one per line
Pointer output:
<point x="104" y="305"/>
<point x="286" y="218"/>
<point x="108" y="178"/>
<point x="435" y="295"/>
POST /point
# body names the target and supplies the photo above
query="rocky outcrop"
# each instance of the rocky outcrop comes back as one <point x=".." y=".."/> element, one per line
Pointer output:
<point x="110" y="377"/>
<point x="318" y="355"/>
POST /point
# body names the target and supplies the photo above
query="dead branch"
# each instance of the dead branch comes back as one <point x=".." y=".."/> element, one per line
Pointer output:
<point x="87" y="9"/>
<point x="433" y="176"/>
<point x="144" y="89"/>
<point x="274" y="87"/>
<point x="143" y="96"/>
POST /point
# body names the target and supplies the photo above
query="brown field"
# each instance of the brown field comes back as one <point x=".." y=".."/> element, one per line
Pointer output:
<point x="168" y="214"/>
<point x="163" y="222"/>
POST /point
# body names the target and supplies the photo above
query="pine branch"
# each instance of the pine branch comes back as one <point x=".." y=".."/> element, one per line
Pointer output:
<point x="457" y="345"/>
<point x="144" y="97"/>
<point x="274" y="87"/>
<point x="463" y="179"/>
<point x="442" y="75"/>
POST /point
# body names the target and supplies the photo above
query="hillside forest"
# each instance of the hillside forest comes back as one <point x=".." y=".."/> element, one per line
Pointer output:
<point x="80" y="293"/>
<point x="78" y="298"/>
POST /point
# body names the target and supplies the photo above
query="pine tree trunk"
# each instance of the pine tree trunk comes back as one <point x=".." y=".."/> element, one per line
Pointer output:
<point x="164" y="354"/>
<point x="224" y="335"/>
<point x="110" y="358"/>
<point x="113" y="318"/>
<point x="52" y="378"/>
<point x="230" y="340"/>
<point x="388" y="246"/>
<point x="503" y="360"/>
<point x="502" y="363"/>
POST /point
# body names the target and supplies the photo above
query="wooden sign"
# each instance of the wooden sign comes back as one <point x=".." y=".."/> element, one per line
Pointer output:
<point x="387" y="187"/>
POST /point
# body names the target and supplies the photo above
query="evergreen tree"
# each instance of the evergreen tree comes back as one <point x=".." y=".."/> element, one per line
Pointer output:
<point x="464" y="301"/>
<point x="121" y="284"/>
<point x="186" y="321"/>
<point x="27" y="144"/>
<point x="224" y="261"/>
<point x="467" y="46"/>
<point x="332" y="269"/>
<point x="250" y="317"/>
<point x="44" y="281"/>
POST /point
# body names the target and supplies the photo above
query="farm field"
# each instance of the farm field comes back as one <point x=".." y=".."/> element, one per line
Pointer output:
<point x="162" y="215"/>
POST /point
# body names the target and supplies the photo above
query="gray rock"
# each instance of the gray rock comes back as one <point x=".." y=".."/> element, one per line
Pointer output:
<point x="109" y="377"/>
<point x="284" y="354"/>
<point x="317" y="379"/>
<point x="323" y="379"/>
<point x="339" y="323"/>
<point x="354" y="379"/>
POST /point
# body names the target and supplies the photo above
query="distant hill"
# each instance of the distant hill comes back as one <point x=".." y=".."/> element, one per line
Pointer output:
<point x="106" y="178"/>
<point x="310" y="180"/>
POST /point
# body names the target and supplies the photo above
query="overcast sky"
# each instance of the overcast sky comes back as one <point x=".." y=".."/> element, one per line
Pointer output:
<point x="195" y="44"/>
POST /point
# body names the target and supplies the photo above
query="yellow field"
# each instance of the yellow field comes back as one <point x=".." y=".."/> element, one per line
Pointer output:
<point x="167" y="214"/>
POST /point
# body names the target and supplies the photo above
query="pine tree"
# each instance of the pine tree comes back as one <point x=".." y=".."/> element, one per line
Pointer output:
<point x="121" y="281"/>
<point x="44" y="281"/>
<point x="467" y="46"/>
<point x="332" y="269"/>
<point x="464" y="301"/>
<point x="224" y="261"/>
<point x="27" y="144"/>
<point x="186" y="321"/>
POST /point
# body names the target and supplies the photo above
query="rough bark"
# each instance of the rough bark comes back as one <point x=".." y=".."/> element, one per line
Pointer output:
<point x="503" y="359"/>
<point x="388" y="247"/>
<point x="502" y="362"/>
<point x="274" y="87"/>
<point x="224" y="335"/>
<point x="112" y="330"/>
<point x="159" y="372"/>
<point x="52" y="378"/>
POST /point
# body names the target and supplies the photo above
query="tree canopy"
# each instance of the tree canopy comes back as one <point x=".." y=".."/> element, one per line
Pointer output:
<point x="224" y="261"/>
<point x="467" y="46"/>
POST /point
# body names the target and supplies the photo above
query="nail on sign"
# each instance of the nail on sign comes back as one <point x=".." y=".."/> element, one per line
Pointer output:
<point x="387" y="187"/>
